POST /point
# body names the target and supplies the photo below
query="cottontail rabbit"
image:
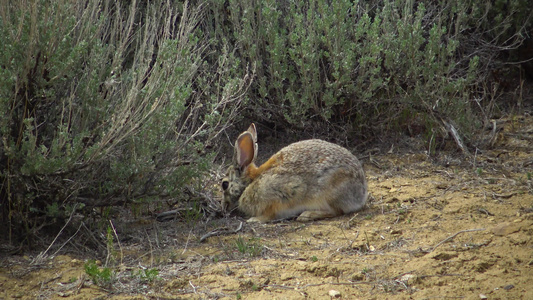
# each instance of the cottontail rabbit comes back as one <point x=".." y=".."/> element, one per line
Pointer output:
<point x="313" y="178"/>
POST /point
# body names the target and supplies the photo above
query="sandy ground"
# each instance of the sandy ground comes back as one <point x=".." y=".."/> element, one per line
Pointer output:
<point x="445" y="227"/>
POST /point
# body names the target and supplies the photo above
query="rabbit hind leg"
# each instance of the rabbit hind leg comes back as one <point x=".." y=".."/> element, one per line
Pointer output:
<point x="311" y="215"/>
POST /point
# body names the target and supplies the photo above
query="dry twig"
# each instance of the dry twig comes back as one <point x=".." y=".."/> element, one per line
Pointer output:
<point x="454" y="235"/>
<point x="220" y="232"/>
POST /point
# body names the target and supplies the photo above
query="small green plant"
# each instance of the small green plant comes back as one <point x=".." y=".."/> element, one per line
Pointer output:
<point x="112" y="252"/>
<point x="529" y="175"/>
<point x="193" y="214"/>
<point x="368" y="217"/>
<point x="479" y="171"/>
<point x="53" y="210"/>
<point x="148" y="275"/>
<point x="73" y="279"/>
<point x="251" y="246"/>
<point x="102" y="277"/>
<point x="365" y="270"/>
<point x="314" y="258"/>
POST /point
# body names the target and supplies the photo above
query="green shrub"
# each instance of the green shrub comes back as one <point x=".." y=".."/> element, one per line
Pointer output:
<point x="251" y="247"/>
<point x="148" y="275"/>
<point x="103" y="277"/>
<point x="104" y="103"/>
<point x="369" y="64"/>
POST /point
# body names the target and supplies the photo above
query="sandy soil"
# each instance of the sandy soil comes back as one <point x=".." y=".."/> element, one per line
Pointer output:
<point x="445" y="227"/>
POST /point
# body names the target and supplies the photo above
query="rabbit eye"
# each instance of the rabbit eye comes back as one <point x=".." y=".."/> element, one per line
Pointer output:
<point x="225" y="184"/>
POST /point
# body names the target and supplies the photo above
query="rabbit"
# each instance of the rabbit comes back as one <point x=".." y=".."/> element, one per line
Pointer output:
<point x="313" y="178"/>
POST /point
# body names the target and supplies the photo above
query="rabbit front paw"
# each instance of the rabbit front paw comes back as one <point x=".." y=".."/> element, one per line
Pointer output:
<point x="312" y="215"/>
<point x="254" y="220"/>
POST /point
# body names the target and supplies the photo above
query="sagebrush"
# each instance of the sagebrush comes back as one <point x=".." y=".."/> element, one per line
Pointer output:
<point x="110" y="103"/>
<point x="106" y="103"/>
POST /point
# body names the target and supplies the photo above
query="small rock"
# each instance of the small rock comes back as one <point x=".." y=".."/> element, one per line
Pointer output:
<point x="285" y="277"/>
<point x="395" y="231"/>
<point x="481" y="296"/>
<point x="405" y="278"/>
<point x="266" y="282"/>
<point x="334" y="294"/>
<point x="505" y="229"/>
<point x="358" y="277"/>
<point x="228" y="271"/>
<point x="392" y="199"/>
<point x="508" y="287"/>
<point x="76" y="262"/>
<point x="443" y="255"/>
<point x="358" y="245"/>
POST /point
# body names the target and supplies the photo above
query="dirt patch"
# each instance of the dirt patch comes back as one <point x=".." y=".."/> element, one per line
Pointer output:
<point x="435" y="227"/>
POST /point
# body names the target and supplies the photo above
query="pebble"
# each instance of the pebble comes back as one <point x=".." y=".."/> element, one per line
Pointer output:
<point x="405" y="278"/>
<point x="334" y="294"/>
<point x="481" y="296"/>
<point x="395" y="231"/>
<point x="505" y="229"/>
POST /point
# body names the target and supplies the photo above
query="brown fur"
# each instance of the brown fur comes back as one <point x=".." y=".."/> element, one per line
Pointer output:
<point x="313" y="178"/>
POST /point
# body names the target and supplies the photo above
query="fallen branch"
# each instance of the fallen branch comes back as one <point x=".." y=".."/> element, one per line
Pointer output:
<point x="288" y="287"/>
<point x="171" y="214"/>
<point x="504" y="196"/>
<point x="439" y="275"/>
<point x="220" y="232"/>
<point x="454" y="235"/>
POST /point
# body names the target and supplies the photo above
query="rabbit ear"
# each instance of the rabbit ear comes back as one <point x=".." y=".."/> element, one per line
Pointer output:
<point x="253" y="132"/>
<point x="245" y="149"/>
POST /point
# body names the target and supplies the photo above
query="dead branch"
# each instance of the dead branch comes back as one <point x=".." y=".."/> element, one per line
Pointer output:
<point x="453" y="236"/>
<point x="220" y="232"/>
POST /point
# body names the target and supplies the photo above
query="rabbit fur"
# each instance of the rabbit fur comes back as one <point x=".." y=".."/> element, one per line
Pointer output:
<point x="313" y="178"/>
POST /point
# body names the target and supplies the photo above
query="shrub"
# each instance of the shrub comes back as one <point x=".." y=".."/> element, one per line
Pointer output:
<point x="103" y="277"/>
<point x="251" y="247"/>
<point x="105" y="103"/>
<point x="371" y="65"/>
